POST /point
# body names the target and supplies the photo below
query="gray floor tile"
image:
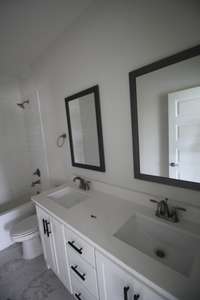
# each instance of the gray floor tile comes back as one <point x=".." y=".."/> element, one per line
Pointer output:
<point x="28" y="280"/>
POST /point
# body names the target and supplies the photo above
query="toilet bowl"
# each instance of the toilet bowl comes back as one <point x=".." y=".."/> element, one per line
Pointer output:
<point x="26" y="232"/>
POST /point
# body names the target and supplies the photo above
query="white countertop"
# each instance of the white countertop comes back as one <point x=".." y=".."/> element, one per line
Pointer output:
<point x="113" y="212"/>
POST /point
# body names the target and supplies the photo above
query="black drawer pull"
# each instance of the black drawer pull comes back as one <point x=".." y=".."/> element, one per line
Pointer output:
<point x="126" y="289"/>
<point x="79" y="250"/>
<point x="78" y="296"/>
<point x="44" y="226"/>
<point x="47" y="228"/>
<point x="82" y="276"/>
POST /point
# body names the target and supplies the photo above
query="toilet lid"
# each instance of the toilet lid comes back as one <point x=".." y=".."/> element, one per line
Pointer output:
<point x="26" y="226"/>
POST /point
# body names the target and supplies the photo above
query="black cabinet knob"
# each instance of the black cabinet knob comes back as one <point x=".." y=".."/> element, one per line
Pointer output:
<point x="173" y="164"/>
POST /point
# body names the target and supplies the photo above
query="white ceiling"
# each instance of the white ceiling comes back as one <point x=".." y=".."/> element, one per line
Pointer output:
<point x="28" y="27"/>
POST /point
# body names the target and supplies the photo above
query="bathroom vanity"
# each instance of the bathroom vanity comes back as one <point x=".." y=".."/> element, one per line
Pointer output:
<point x="103" y="247"/>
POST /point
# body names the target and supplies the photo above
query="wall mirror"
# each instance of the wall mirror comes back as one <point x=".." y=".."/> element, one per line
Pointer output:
<point x="85" y="129"/>
<point x="165" y="111"/>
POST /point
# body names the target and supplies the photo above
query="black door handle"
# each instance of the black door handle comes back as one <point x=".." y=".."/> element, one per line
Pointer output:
<point x="47" y="227"/>
<point x="78" y="296"/>
<point x="79" y="250"/>
<point x="126" y="289"/>
<point x="82" y="276"/>
<point x="44" y="226"/>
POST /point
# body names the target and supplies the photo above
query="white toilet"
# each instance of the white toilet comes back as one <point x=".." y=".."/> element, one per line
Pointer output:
<point x="27" y="233"/>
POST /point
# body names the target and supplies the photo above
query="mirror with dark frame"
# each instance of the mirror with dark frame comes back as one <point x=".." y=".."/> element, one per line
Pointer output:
<point x="85" y="129"/>
<point x="165" y="112"/>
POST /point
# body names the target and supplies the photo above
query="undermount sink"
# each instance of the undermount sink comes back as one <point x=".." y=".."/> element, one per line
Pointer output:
<point x="168" y="245"/>
<point x="68" y="197"/>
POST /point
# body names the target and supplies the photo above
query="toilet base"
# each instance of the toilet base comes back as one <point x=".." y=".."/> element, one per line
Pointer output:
<point x="32" y="248"/>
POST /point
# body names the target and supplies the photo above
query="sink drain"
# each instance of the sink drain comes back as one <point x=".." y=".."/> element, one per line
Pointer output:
<point x="160" y="253"/>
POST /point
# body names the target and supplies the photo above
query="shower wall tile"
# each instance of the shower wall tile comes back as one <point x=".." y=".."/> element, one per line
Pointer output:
<point x="22" y="148"/>
<point x="15" y="170"/>
<point x="35" y="139"/>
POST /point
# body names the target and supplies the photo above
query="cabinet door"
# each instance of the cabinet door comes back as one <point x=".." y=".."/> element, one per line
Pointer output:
<point x="60" y="253"/>
<point x="116" y="284"/>
<point x="46" y="238"/>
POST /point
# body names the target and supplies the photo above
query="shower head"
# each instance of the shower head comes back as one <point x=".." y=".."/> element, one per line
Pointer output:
<point x="22" y="104"/>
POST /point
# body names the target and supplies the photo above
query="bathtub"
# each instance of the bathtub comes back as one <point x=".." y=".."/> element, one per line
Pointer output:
<point x="10" y="213"/>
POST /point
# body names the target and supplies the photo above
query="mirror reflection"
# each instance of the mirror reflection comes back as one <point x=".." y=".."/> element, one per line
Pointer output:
<point x="84" y="124"/>
<point x="84" y="130"/>
<point x="167" y="138"/>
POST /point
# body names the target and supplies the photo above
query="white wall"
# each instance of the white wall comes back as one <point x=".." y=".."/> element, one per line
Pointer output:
<point x="110" y="39"/>
<point x="9" y="89"/>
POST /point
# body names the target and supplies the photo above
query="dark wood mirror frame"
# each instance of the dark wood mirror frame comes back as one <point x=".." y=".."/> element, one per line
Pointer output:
<point x="95" y="91"/>
<point x="181" y="56"/>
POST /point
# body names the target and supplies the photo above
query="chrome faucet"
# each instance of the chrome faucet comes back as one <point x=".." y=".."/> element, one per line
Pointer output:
<point x="163" y="211"/>
<point x="84" y="184"/>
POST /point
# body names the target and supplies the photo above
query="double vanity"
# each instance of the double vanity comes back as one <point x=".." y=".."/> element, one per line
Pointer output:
<point x="107" y="245"/>
<point x="103" y="247"/>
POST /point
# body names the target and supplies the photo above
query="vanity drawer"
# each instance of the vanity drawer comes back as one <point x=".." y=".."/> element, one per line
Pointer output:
<point x="79" y="291"/>
<point x="80" y="246"/>
<point x="83" y="272"/>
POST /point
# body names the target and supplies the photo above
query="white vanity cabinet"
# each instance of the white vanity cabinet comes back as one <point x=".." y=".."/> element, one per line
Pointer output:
<point x="52" y="237"/>
<point x="117" y="284"/>
<point x="83" y="269"/>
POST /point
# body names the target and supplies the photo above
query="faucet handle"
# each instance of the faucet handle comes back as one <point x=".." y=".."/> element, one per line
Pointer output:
<point x="83" y="184"/>
<point x="87" y="185"/>
<point x="179" y="208"/>
<point x="174" y="214"/>
<point x="154" y="201"/>
<point x="35" y="182"/>
<point x="157" y="212"/>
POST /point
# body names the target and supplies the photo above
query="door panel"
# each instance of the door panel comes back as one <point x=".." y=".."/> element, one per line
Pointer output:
<point x="114" y="283"/>
<point x="117" y="284"/>
<point x="46" y="237"/>
<point x="60" y="253"/>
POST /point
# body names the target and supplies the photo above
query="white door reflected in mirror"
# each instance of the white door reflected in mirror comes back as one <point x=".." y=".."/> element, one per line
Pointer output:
<point x="184" y="134"/>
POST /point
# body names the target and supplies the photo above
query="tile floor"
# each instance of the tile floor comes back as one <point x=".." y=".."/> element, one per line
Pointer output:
<point x="28" y="280"/>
